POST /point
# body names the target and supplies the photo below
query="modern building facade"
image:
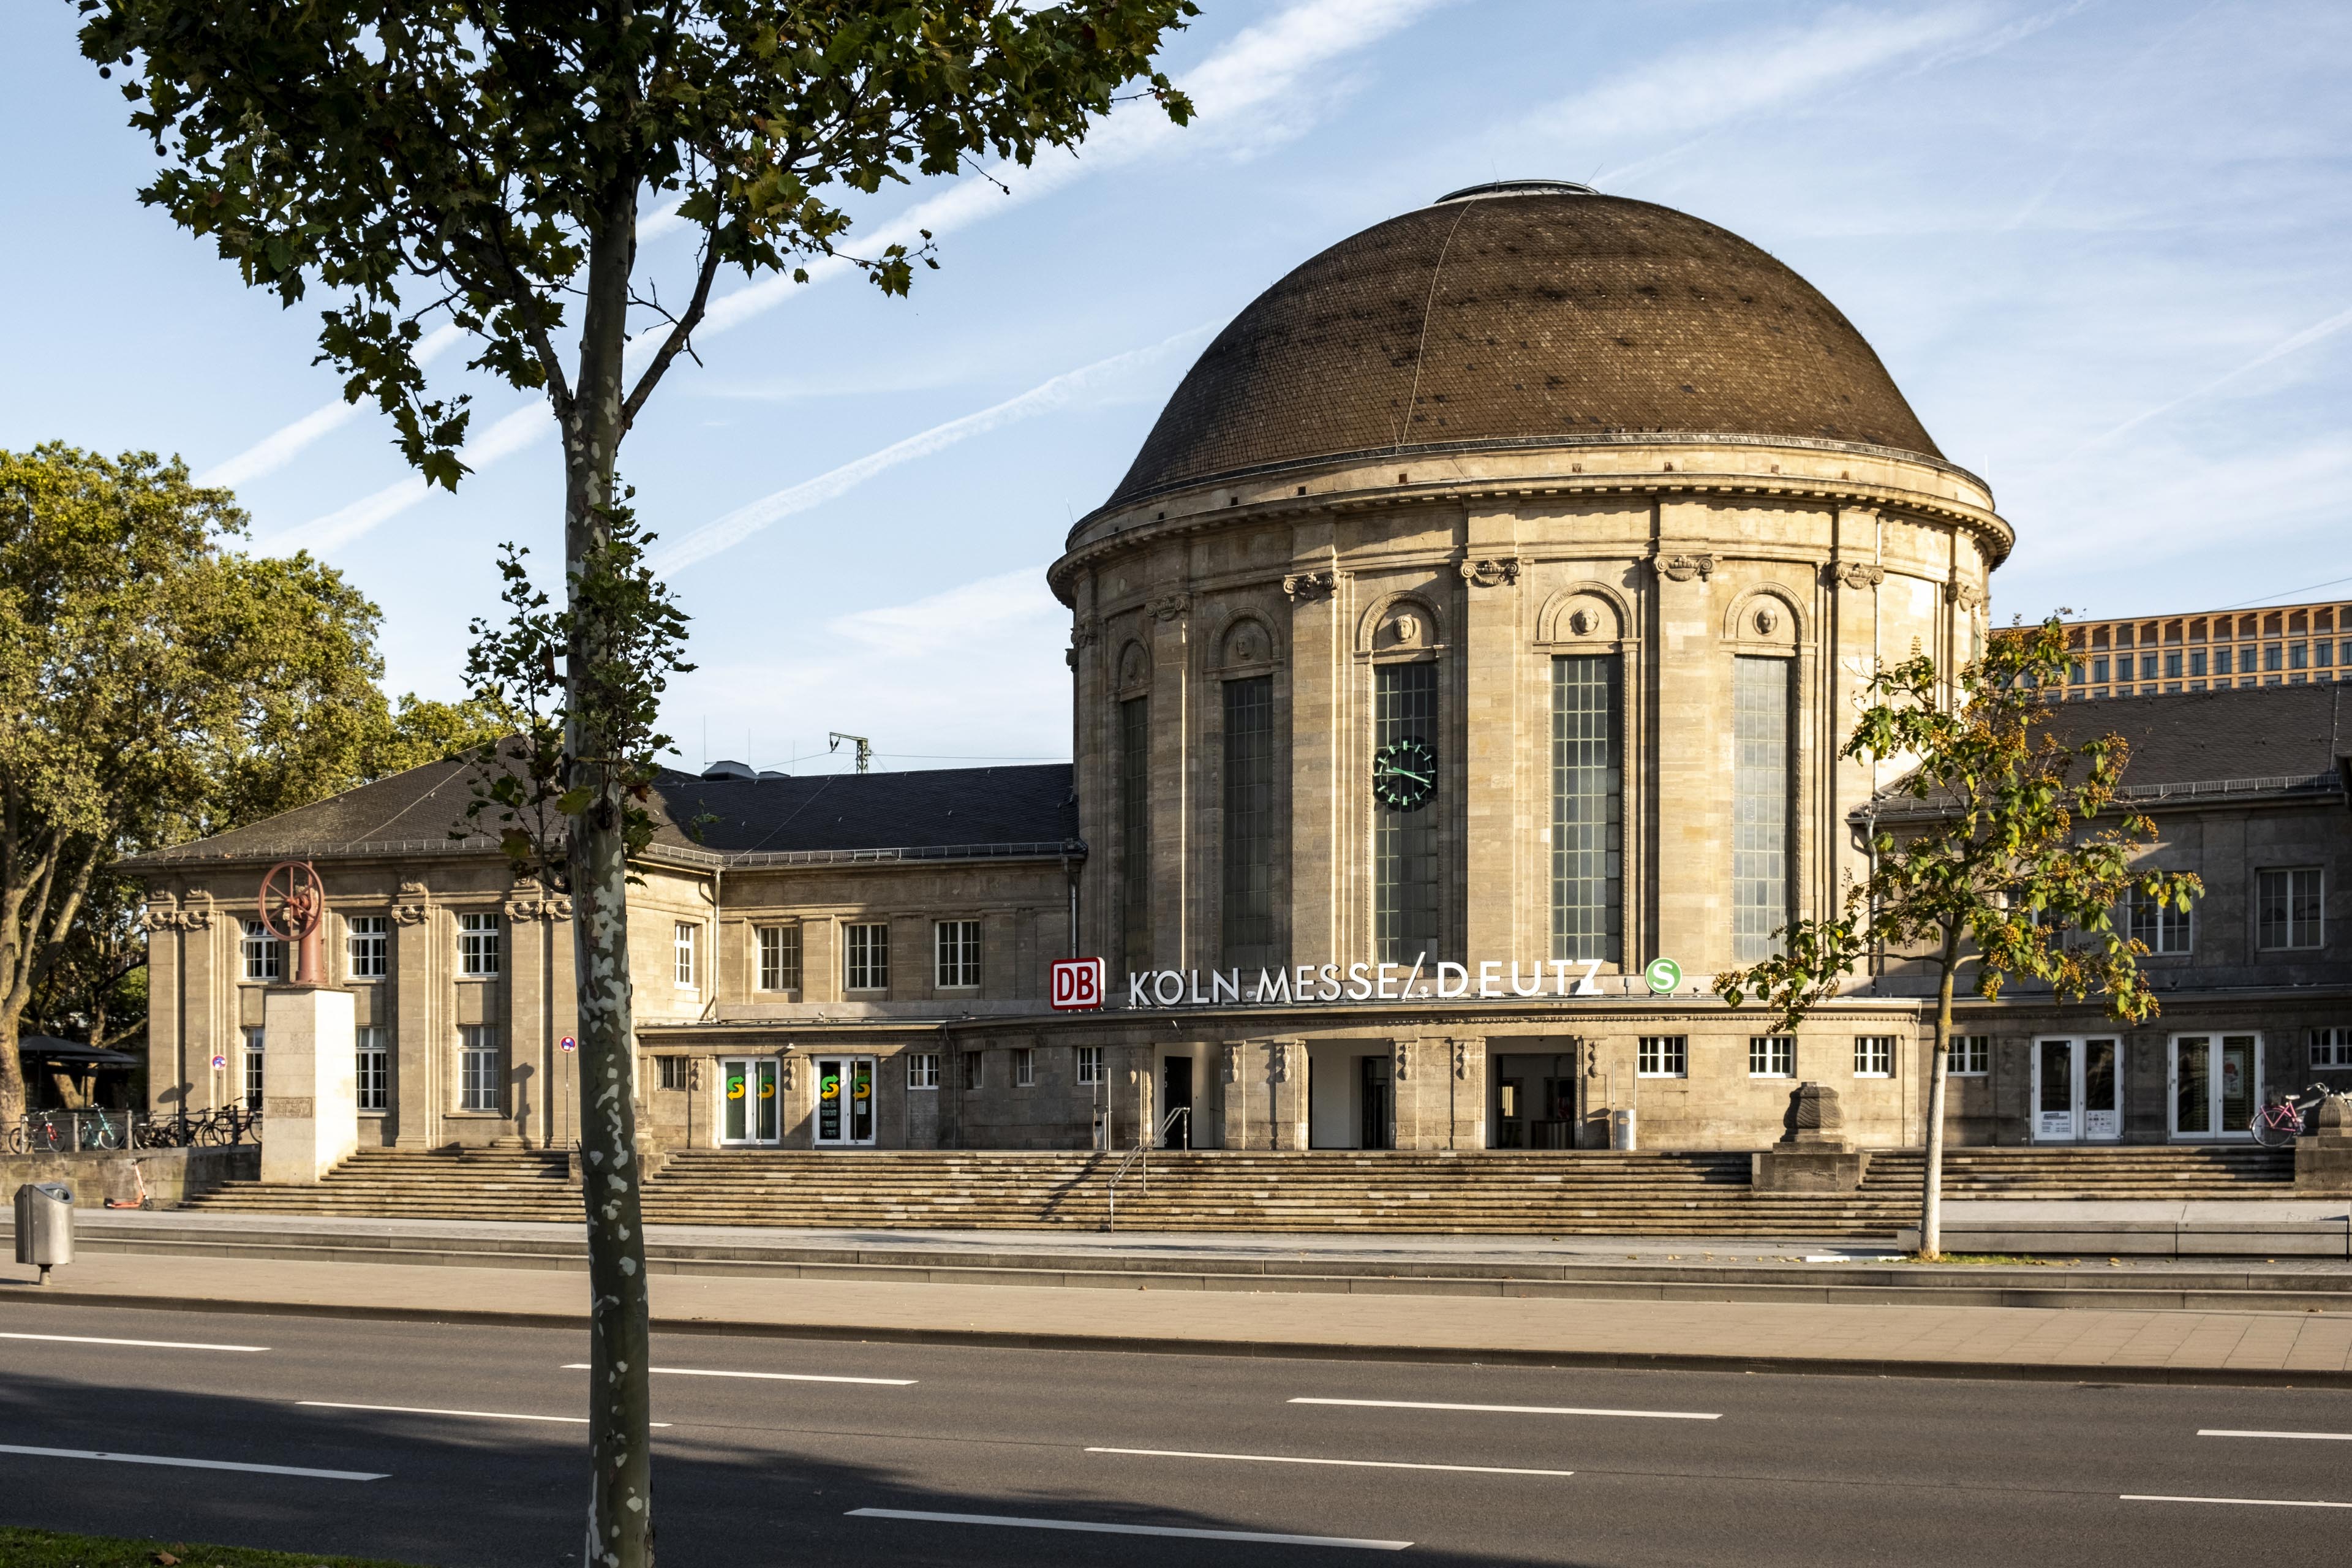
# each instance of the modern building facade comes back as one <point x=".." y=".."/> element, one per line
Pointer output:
<point x="2149" y="656"/>
<point x="1457" y="680"/>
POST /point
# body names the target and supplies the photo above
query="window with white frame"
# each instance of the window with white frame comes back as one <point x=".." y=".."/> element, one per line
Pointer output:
<point x="1024" y="1067"/>
<point x="1664" y="1056"/>
<point x="780" y="958"/>
<point x="674" y="1073"/>
<point x="2287" y="907"/>
<point x="366" y="946"/>
<point x="477" y="945"/>
<point x="959" y="953"/>
<point x="922" y="1070"/>
<point x="686" y="943"/>
<point x="865" y="957"/>
<point x="479" y="1065"/>
<point x="1873" y="1056"/>
<point x="1090" y="1064"/>
<point x="1771" y="1055"/>
<point x="373" y="1076"/>
<point x="972" y="1076"/>
<point x="2331" y="1048"/>
<point x="1970" y="1056"/>
<point x="252" y="1041"/>
<point x="2159" y="928"/>
<point x="264" y="956"/>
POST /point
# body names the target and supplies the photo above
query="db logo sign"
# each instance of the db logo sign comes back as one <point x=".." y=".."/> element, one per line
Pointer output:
<point x="1077" y="984"/>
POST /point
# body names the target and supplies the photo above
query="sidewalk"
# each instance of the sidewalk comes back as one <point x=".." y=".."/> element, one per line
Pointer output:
<point x="2088" y="1344"/>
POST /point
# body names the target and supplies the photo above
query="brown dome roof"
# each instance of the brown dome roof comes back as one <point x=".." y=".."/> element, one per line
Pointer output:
<point x="1520" y="313"/>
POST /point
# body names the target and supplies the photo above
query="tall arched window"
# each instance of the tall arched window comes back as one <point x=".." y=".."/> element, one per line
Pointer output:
<point x="1405" y="823"/>
<point x="1763" y="800"/>
<point x="1587" y="789"/>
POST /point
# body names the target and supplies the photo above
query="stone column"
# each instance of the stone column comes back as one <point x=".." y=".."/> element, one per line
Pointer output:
<point x="309" y="1089"/>
<point x="416" y="972"/>
<point x="528" y="1045"/>
<point x="1172" y="916"/>
<point x="1466" y="1127"/>
<point x="1495" y="751"/>
<point x="1286" y="1094"/>
<point x="1316" y="669"/>
<point x="1691" y="744"/>
<point x="1235" y="1062"/>
<point x="1407" y="1095"/>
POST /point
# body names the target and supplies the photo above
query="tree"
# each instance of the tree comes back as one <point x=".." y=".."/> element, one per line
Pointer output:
<point x="487" y="160"/>
<point x="1999" y="865"/>
<point x="154" y="686"/>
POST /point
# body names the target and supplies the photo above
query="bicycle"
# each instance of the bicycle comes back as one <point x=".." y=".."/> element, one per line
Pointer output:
<point x="2279" y="1123"/>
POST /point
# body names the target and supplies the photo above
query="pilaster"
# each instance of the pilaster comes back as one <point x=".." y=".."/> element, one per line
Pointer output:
<point x="1693" y="751"/>
<point x="1495" y="750"/>
<point x="417" y="966"/>
<point x="1168" y="623"/>
<point x="1315" y="669"/>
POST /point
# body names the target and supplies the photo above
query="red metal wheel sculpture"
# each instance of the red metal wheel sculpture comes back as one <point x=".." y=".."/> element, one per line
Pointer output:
<point x="294" y="911"/>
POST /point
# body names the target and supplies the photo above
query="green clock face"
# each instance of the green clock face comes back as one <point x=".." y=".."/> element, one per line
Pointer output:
<point x="1404" y="774"/>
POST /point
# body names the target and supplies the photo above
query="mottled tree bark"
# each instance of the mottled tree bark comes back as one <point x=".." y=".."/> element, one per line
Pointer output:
<point x="1931" y="1197"/>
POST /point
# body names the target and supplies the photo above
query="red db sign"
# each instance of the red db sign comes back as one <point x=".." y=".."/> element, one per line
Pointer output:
<point x="1077" y="984"/>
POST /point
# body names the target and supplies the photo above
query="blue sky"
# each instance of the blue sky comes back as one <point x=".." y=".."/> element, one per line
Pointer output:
<point x="2102" y="248"/>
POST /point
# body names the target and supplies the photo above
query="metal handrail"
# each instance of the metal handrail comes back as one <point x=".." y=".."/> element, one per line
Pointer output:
<point x="1142" y="1152"/>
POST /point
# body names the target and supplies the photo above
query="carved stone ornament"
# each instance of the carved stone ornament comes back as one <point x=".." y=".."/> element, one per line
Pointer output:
<point x="1859" y="574"/>
<point x="196" y="914"/>
<point x="1582" y="623"/>
<point x="1401" y="1053"/>
<point x="1491" y="574"/>
<point x="1683" y="568"/>
<point x="1233" y="1064"/>
<point x="1170" y="605"/>
<point x="1303" y="586"/>
<point x="1966" y="595"/>
<point x="530" y="901"/>
<point x="1462" y="1057"/>
<point x="1277" y="1053"/>
<point x="1408" y="627"/>
<point x="1087" y="631"/>
<point x="409" y="908"/>
<point x="1768" y="621"/>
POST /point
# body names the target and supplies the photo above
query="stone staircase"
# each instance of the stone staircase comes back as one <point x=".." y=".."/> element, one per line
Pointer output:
<point x="1585" y="1193"/>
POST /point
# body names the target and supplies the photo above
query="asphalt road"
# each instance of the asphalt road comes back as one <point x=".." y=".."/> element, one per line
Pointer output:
<point x="1612" y="1469"/>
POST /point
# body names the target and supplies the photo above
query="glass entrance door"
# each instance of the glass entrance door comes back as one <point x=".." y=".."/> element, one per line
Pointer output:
<point x="2216" y="1084"/>
<point x="2077" y="1092"/>
<point x="747" y="1105"/>
<point x="844" y="1101"/>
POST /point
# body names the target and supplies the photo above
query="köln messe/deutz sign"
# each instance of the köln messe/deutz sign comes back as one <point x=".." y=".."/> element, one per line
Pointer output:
<point x="1078" y="983"/>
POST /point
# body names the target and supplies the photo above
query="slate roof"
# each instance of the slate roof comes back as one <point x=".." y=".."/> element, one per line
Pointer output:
<point x="1540" y="313"/>
<point x="945" y="812"/>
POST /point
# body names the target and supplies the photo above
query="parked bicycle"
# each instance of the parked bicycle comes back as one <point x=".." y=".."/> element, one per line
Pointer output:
<point x="2279" y="1123"/>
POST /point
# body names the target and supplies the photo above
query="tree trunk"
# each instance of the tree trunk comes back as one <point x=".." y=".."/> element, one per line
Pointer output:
<point x="620" y="1508"/>
<point x="12" y="1069"/>
<point x="1931" y="1198"/>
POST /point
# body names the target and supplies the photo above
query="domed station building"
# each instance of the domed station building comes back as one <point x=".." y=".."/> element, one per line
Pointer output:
<point x="1458" y="674"/>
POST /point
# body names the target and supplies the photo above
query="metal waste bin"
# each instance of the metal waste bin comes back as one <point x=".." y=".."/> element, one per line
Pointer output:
<point x="44" y="1225"/>
<point x="1620" y="1128"/>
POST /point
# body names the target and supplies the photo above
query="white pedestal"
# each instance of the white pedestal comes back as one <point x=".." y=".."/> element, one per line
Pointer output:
<point x="309" y="1089"/>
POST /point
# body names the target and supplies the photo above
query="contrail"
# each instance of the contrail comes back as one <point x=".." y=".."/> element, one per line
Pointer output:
<point x="726" y="532"/>
<point x="2280" y="349"/>
<point x="278" y="448"/>
<point x="524" y="428"/>
<point x="1256" y="65"/>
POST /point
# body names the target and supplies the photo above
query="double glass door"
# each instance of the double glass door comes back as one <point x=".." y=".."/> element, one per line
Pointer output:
<point x="2077" y="1090"/>
<point x="844" y="1101"/>
<point x="2216" y="1085"/>
<point x="747" y="1088"/>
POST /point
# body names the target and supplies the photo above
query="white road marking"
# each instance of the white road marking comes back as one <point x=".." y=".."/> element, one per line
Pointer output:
<point x="765" y="1376"/>
<point x="2313" y="1437"/>
<point x="1349" y="1463"/>
<point x="1091" y="1526"/>
<point x="144" y="1344"/>
<point x="194" y="1463"/>
<point x="2243" y="1502"/>
<point x="1517" y="1409"/>
<point x="420" y="1410"/>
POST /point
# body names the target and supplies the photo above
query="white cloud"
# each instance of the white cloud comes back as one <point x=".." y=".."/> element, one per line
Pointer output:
<point x="740" y="524"/>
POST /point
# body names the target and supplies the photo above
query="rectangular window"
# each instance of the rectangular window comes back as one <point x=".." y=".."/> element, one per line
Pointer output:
<point x="1024" y="1067"/>
<point x="1404" y="841"/>
<point x="1761" y="799"/>
<point x="365" y="946"/>
<point x="957" y="953"/>
<point x="686" y="939"/>
<point x="2147" y="667"/>
<point x="1588" y="792"/>
<point x="1135" y="829"/>
<point x="479" y="1068"/>
<point x="250" y="1067"/>
<point x="1090" y="1064"/>
<point x="972" y="1076"/>
<point x="866" y="958"/>
<point x="2160" y="929"/>
<point x="922" y="1070"/>
<point x="2098" y="672"/>
<point x="2287" y="908"/>
<point x="2197" y="661"/>
<point x="673" y="1072"/>
<point x="264" y="956"/>
<point x="2222" y="656"/>
<point x="2331" y="1048"/>
<point x="373" y="1077"/>
<point x="1971" y="1056"/>
<point x="2273" y="656"/>
<point x="780" y="958"/>
<point x="2322" y="653"/>
<point x="1664" y="1056"/>
<point x="2298" y="656"/>
<point x="477" y="945"/>
<point x="1248" y="905"/>
<point x="2172" y="666"/>
<point x="2074" y="673"/>
<point x="1771" y="1055"/>
<point x="1873" y="1056"/>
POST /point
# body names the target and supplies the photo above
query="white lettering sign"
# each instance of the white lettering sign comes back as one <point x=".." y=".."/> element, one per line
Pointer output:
<point x="1444" y="980"/>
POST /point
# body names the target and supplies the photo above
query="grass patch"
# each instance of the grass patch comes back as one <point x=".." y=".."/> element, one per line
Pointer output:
<point x="47" y="1548"/>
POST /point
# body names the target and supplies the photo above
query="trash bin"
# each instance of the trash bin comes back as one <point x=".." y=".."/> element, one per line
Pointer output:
<point x="1621" y="1129"/>
<point x="44" y="1225"/>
